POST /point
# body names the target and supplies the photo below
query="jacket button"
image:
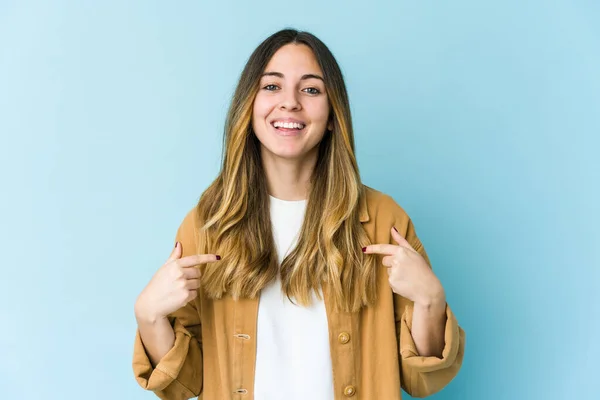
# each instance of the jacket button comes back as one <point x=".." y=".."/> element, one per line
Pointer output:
<point x="349" y="391"/>
<point x="344" y="337"/>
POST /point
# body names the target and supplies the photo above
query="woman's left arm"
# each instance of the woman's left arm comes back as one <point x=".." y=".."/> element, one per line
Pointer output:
<point x="431" y="343"/>
<point x="428" y="326"/>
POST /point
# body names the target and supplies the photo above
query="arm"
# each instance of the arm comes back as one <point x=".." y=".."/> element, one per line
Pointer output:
<point x="157" y="335"/>
<point x="177" y="374"/>
<point x="167" y="356"/>
<point x="423" y="375"/>
<point x="428" y="325"/>
<point x="430" y="341"/>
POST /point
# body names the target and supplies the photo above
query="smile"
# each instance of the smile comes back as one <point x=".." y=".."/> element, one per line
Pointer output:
<point x="288" y="129"/>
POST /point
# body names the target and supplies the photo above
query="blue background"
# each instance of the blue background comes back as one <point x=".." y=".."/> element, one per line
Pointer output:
<point x="480" y="118"/>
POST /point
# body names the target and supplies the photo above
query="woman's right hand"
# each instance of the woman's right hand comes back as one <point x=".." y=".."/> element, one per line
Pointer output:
<point x="174" y="285"/>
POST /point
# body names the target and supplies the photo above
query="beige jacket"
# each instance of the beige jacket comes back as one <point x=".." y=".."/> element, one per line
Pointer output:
<point x="372" y="351"/>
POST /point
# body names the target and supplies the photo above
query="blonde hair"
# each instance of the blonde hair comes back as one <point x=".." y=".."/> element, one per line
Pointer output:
<point x="234" y="210"/>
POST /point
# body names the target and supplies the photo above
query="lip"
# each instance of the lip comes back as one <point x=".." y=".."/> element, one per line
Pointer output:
<point x="288" y="132"/>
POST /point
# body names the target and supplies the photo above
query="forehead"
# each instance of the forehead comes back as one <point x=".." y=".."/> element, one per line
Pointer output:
<point x="294" y="59"/>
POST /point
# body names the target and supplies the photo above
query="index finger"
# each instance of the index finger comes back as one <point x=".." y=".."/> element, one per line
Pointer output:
<point x="381" y="249"/>
<point x="195" y="259"/>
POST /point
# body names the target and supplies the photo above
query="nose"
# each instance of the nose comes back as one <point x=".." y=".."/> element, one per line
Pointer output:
<point x="289" y="101"/>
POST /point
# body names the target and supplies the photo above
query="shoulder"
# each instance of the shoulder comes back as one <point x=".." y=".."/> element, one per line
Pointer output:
<point x="381" y="205"/>
<point x="385" y="213"/>
<point x="189" y="221"/>
<point x="187" y="232"/>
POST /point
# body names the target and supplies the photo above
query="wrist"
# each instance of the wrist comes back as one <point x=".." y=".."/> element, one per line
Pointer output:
<point x="434" y="301"/>
<point x="143" y="315"/>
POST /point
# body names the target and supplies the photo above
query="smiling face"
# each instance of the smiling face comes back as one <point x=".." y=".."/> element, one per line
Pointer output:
<point x="291" y="110"/>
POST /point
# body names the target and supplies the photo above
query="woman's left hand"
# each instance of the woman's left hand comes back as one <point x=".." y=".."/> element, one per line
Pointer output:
<point x="409" y="274"/>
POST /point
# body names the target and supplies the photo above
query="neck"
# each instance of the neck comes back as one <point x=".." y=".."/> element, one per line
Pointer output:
<point x="288" y="179"/>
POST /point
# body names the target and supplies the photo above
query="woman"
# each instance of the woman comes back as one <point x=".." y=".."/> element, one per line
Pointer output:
<point x="291" y="279"/>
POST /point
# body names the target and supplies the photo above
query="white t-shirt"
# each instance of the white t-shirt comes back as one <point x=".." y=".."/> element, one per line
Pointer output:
<point x="293" y="361"/>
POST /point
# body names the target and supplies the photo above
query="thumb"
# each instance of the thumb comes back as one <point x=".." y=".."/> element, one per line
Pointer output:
<point x="400" y="239"/>
<point x="176" y="253"/>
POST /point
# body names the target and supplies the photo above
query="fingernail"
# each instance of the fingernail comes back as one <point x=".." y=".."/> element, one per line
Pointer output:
<point x="218" y="257"/>
<point x="395" y="229"/>
<point x="364" y="249"/>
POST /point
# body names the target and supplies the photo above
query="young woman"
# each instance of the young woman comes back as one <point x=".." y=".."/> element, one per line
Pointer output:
<point x="291" y="279"/>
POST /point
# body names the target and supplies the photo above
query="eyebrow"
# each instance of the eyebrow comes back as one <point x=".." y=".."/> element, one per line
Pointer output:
<point x="305" y="76"/>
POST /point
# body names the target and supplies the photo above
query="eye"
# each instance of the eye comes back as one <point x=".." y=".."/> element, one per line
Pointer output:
<point x="270" y="86"/>
<point x="314" y="90"/>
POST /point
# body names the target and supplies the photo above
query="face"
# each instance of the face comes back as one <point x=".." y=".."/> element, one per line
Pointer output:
<point x="291" y="109"/>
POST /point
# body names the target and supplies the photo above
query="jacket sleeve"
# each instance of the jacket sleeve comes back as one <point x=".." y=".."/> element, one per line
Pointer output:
<point x="178" y="375"/>
<point x="423" y="376"/>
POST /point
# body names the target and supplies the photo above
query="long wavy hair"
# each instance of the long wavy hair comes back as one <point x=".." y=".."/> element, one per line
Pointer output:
<point x="234" y="210"/>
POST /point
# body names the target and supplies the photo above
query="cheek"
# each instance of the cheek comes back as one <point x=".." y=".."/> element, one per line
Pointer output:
<point x="262" y="107"/>
<point x="320" y="112"/>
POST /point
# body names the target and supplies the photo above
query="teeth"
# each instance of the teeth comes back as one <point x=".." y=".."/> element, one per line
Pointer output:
<point x="288" y="125"/>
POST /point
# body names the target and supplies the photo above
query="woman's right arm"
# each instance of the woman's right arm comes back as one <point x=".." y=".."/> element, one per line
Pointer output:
<point x="156" y="334"/>
<point x="167" y="356"/>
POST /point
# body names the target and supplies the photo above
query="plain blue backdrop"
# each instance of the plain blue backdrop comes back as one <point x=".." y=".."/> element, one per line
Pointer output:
<point x="480" y="118"/>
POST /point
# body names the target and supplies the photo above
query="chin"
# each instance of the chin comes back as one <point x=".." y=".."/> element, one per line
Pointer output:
<point x="289" y="155"/>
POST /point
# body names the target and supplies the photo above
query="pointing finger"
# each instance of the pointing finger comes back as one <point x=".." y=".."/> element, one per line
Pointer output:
<point x="196" y="259"/>
<point x="381" y="249"/>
